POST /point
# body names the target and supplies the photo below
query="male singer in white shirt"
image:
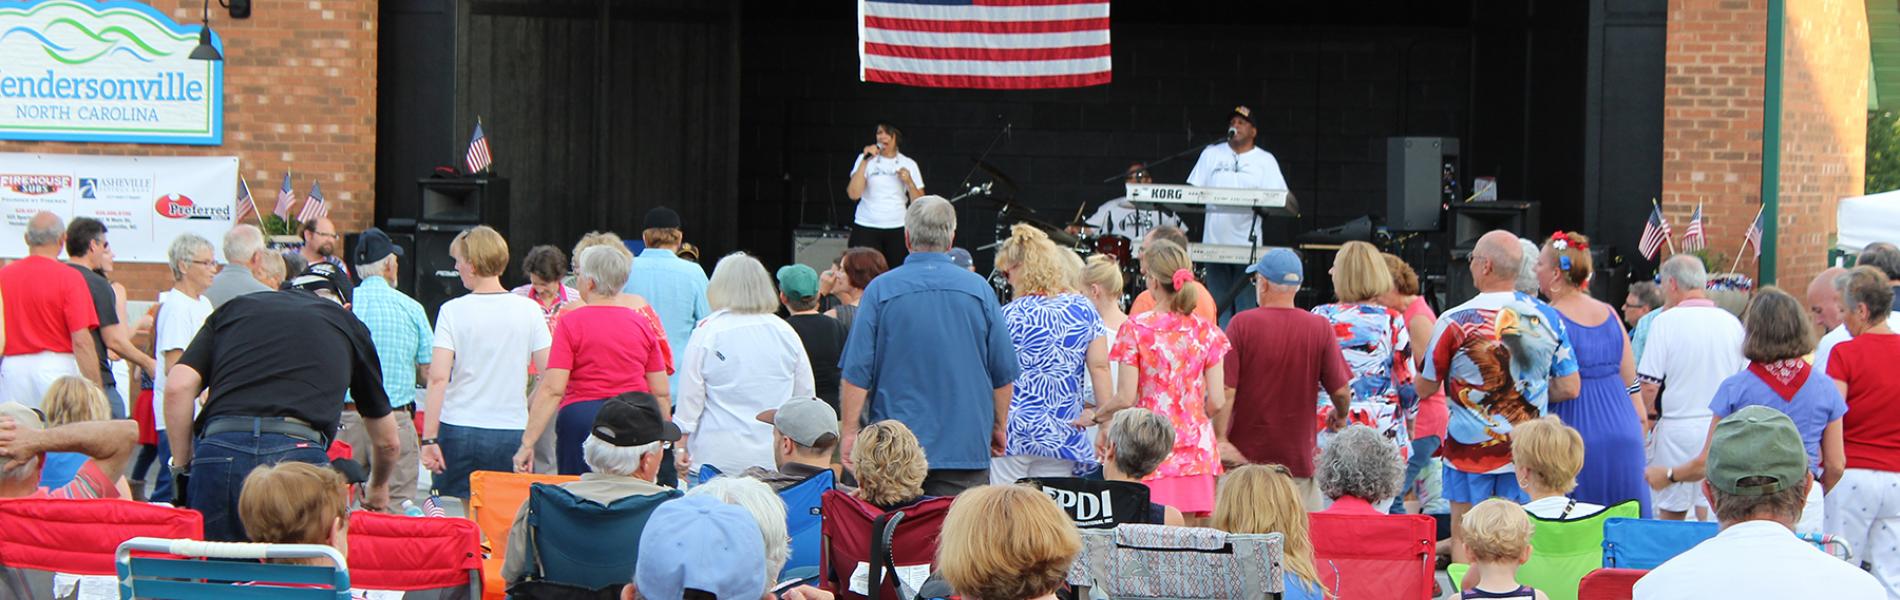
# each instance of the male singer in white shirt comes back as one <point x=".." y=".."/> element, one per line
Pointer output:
<point x="1235" y="164"/>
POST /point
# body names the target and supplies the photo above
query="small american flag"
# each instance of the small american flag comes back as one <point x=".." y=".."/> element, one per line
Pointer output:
<point x="433" y="507"/>
<point x="246" y="206"/>
<point x="478" y="157"/>
<point x="1753" y="237"/>
<point x="285" y="199"/>
<point x="984" y="44"/>
<point x="1692" y="236"/>
<point x="314" y="207"/>
<point x="1655" y="233"/>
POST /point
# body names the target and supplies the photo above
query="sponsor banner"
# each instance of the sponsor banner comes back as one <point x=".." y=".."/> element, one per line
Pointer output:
<point x="145" y="201"/>
<point x="112" y="71"/>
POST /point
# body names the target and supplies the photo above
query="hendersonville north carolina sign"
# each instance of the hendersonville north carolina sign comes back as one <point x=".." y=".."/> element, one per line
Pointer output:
<point x="115" y="71"/>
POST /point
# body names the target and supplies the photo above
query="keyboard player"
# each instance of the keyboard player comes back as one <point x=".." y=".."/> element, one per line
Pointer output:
<point x="1235" y="164"/>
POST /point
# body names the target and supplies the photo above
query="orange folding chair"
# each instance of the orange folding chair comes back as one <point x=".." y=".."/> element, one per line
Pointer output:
<point x="493" y="499"/>
<point x="413" y="554"/>
<point x="40" y="537"/>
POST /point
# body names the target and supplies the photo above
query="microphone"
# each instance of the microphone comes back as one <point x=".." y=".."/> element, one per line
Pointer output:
<point x="1231" y="134"/>
<point x="880" y="148"/>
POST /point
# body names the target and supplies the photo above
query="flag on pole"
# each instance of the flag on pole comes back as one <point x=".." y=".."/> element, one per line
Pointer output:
<point x="1753" y="237"/>
<point x="984" y="44"/>
<point x="1692" y="236"/>
<point x="246" y="207"/>
<point x="314" y="207"/>
<point x="432" y="506"/>
<point x="285" y="199"/>
<point x="478" y="157"/>
<point x="1655" y="233"/>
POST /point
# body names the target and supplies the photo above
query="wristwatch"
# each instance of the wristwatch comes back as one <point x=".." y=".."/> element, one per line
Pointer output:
<point x="1671" y="474"/>
<point x="428" y="441"/>
<point x="178" y="470"/>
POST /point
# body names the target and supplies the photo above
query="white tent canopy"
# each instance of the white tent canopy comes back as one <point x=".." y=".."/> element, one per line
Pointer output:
<point x="1863" y="220"/>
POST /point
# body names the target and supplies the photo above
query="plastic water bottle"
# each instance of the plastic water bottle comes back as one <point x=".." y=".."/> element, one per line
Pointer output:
<point x="409" y="508"/>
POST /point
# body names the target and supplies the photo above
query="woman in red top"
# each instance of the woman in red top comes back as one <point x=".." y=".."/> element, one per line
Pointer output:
<point x="603" y="349"/>
<point x="1863" y="507"/>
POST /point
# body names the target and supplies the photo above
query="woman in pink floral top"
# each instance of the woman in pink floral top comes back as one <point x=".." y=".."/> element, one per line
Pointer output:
<point x="1176" y="359"/>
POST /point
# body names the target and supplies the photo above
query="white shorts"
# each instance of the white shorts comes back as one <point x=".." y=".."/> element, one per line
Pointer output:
<point x="25" y="378"/>
<point x="1005" y="470"/>
<point x="1814" y="512"/>
<point x="1863" y="510"/>
<point x="1673" y="442"/>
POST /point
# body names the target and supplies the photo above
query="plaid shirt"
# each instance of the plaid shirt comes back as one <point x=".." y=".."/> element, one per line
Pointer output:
<point x="401" y="333"/>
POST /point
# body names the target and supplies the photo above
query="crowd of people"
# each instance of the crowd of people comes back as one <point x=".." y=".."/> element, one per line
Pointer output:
<point x="900" y="378"/>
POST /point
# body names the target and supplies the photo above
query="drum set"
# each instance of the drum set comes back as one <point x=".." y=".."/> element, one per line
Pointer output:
<point x="1076" y="236"/>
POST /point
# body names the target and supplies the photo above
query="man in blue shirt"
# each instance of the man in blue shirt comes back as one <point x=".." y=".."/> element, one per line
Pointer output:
<point x="930" y="349"/>
<point x="400" y="330"/>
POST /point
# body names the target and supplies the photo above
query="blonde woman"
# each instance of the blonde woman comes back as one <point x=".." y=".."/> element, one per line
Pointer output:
<point x="1063" y="353"/>
<point x="1374" y="340"/>
<point x="742" y="360"/>
<point x="1174" y="361"/>
<point x="1006" y="542"/>
<point x="1264" y="499"/>
<point x="1102" y="284"/>
<point x="72" y="399"/>
<point x="889" y="464"/>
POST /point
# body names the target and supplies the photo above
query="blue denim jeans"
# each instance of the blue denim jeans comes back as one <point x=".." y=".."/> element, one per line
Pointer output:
<point x="1422" y="449"/>
<point x="1219" y="279"/>
<point x="571" y="427"/>
<point x="470" y="449"/>
<point x="162" y="489"/>
<point x="219" y="465"/>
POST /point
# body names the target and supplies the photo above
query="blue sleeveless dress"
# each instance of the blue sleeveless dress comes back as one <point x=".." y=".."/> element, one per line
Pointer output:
<point x="1613" y="458"/>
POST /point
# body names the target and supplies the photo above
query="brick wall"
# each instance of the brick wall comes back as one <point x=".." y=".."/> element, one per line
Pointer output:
<point x="1712" y="114"/>
<point x="300" y="91"/>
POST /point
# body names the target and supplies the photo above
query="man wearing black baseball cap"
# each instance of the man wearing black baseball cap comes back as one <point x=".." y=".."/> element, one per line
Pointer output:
<point x="624" y="449"/>
<point x="278" y="365"/>
<point x="403" y="340"/>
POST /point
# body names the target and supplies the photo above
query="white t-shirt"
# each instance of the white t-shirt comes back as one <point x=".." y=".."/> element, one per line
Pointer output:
<point x="1221" y="167"/>
<point x="1691" y="349"/>
<point x="1120" y="217"/>
<point x="179" y="317"/>
<point x="1757" y="560"/>
<point x="1553" y="508"/>
<point x="735" y="367"/>
<point x="494" y="337"/>
<point x="884" y="194"/>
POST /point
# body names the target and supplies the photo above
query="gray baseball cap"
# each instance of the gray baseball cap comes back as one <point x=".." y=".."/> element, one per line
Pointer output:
<point x="805" y="420"/>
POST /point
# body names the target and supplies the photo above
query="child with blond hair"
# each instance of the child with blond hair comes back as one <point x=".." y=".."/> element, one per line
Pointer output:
<point x="1498" y="540"/>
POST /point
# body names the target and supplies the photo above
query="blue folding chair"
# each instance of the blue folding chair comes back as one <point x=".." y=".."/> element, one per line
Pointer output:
<point x="1648" y="543"/>
<point x="804" y="522"/>
<point x="578" y="542"/>
<point x="184" y="578"/>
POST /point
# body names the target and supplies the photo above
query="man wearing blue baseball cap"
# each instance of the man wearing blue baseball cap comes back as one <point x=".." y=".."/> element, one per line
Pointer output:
<point x="1280" y="353"/>
<point x="699" y="547"/>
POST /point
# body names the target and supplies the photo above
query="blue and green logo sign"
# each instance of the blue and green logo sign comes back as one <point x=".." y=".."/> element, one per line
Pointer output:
<point x="114" y="71"/>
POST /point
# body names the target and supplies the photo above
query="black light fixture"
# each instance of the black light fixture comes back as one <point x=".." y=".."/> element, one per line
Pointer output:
<point x="205" y="51"/>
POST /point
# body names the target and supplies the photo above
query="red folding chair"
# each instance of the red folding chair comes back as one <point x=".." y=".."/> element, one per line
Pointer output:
<point x="40" y="537"/>
<point x="412" y="554"/>
<point x="1610" y="584"/>
<point x="1375" y="556"/>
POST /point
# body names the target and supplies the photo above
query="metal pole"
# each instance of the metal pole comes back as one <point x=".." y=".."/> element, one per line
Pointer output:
<point x="1771" y="141"/>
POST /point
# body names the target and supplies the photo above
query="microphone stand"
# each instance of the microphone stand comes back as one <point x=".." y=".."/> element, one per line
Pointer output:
<point x="1123" y="174"/>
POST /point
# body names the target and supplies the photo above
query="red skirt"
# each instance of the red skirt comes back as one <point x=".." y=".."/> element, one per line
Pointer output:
<point x="142" y="413"/>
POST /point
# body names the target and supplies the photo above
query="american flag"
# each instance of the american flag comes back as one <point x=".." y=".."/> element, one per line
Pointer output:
<point x="1655" y="233"/>
<point x="1753" y="237"/>
<point x="285" y="199"/>
<point x="985" y="44"/>
<point x="314" y="207"/>
<point x="246" y="207"/>
<point x="433" y="507"/>
<point x="478" y="158"/>
<point x="1692" y="236"/>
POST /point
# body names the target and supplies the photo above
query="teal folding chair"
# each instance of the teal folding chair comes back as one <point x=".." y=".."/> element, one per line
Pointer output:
<point x="232" y="577"/>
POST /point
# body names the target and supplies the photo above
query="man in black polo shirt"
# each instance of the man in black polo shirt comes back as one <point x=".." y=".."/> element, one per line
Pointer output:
<point x="277" y="364"/>
<point x="88" y="251"/>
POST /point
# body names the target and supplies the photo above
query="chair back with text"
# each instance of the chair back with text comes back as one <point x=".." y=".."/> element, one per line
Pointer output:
<point x="236" y="575"/>
<point x="1157" y="561"/>
<point x="1610" y="584"/>
<point x="804" y="519"/>
<point x="583" y="543"/>
<point x="849" y="537"/>
<point x="1564" y="550"/>
<point x="493" y="499"/>
<point x="42" y="537"/>
<point x="413" y="554"/>
<point x="1375" y="556"/>
<point x="1648" y="543"/>
<point x="1094" y="504"/>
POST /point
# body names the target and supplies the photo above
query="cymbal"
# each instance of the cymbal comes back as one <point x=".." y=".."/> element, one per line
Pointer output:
<point x="995" y="174"/>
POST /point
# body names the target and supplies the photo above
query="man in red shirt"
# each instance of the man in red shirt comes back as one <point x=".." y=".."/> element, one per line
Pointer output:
<point x="49" y="317"/>
<point x="1281" y="356"/>
<point x="1861" y="505"/>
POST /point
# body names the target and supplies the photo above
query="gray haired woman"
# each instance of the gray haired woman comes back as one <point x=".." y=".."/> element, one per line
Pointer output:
<point x="1359" y="471"/>
<point x="181" y="311"/>
<point x="741" y="361"/>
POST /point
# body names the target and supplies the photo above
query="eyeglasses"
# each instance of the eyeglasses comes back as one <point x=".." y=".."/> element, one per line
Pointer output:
<point x="324" y="235"/>
<point x="203" y="263"/>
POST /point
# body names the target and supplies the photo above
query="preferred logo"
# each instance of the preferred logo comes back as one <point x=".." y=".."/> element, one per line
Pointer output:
<point x="35" y="185"/>
<point x="178" y="206"/>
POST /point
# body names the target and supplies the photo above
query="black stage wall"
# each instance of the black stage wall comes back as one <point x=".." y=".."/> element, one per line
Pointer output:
<point x="746" y="116"/>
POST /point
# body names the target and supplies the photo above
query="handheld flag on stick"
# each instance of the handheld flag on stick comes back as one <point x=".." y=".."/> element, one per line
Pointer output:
<point x="1692" y="239"/>
<point x="1751" y="238"/>
<point x="246" y="205"/>
<point x="314" y="207"/>
<point x="285" y="199"/>
<point x="478" y="157"/>
<point x="1655" y="233"/>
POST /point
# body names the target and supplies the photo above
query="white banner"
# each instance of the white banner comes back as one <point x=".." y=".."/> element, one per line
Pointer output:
<point x="145" y="201"/>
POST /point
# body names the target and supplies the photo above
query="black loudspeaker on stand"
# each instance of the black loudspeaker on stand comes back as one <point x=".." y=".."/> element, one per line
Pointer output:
<point x="448" y="207"/>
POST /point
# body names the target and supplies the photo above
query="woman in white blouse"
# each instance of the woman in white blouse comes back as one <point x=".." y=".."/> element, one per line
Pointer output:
<point x="741" y="361"/>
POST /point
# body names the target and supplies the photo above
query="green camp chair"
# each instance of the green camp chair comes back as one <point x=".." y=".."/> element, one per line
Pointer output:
<point x="1562" y="552"/>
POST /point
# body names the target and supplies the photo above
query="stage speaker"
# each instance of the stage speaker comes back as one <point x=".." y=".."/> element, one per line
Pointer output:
<point x="467" y="200"/>
<point x="1421" y="179"/>
<point x="1458" y="284"/>
<point x="434" y="270"/>
<point x="816" y="248"/>
<point x="1471" y="220"/>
